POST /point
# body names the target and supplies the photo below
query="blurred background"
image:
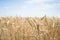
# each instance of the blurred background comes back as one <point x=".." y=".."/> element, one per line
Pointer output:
<point x="27" y="8"/>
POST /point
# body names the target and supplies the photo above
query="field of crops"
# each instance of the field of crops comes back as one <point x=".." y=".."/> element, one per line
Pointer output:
<point x="29" y="28"/>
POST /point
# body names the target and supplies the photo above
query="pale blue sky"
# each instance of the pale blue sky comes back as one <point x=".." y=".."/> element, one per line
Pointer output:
<point x="30" y="8"/>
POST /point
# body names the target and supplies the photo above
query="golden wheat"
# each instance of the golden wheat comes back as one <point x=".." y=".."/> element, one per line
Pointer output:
<point x="18" y="28"/>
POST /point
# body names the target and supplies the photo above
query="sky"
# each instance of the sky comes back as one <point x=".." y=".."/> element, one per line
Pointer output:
<point x="27" y="8"/>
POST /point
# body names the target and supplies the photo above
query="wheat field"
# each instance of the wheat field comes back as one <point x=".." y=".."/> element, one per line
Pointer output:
<point x="29" y="28"/>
